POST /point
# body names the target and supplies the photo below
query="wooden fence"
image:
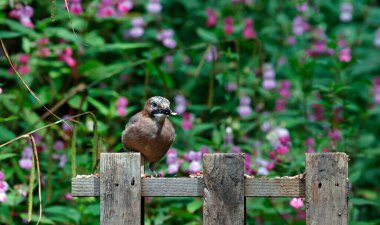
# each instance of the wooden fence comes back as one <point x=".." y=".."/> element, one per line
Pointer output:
<point x="223" y="188"/>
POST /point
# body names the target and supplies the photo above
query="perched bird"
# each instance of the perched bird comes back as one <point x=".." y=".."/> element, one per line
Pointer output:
<point x="150" y="132"/>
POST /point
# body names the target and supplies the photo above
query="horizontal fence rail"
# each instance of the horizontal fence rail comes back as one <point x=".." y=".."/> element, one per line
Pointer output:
<point x="193" y="187"/>
<point x="122" y="187"/>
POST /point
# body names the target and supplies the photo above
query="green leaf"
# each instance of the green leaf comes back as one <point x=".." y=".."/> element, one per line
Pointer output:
<point x="206" y="35"/>
<point x="9" y="34"/>
<point x="93" y="210"/>
<point x="98" y="105"/>
<point x="7" y="155"/>
<point x="68" y="212"/>
<point x="6" y="134"/>
<point x="118" y="47"/>
<point x="16" y="26"/>
<point x="194" y="206"/>
<point x="44" y="220"/>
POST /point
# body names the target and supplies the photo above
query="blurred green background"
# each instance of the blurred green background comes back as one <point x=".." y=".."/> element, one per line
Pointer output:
<point x="272" y="79"/>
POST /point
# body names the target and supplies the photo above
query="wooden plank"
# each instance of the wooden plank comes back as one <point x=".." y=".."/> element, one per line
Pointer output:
<point x="277" y="187"/>
<point x="85" y="187"/>
<point x="193" y="187"/>
<point x="326" y="189"/>
<point x="172" y="187"/>
<point x="120" y="189"/>
<point x="224" y="201"/>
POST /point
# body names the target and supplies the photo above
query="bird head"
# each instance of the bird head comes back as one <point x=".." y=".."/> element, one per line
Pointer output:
<point x="158" y="108"/>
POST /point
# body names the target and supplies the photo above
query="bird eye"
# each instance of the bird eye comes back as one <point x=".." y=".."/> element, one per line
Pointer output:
<point x="154" y="104"/>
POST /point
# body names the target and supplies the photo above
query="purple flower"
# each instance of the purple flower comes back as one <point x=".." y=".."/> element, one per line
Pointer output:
<point x="195" y="167"/>
<point x="236" y="149"/>
<point x="2" y="176"/>
<point x="192" y="156"/>
<point x="3" y="186"/>
<point x="137" y="29"/>
<point x="291" y="40"/>
<point x="268" y="71"/>
<point x="244" y="100"/>
<point x="334" y="134"/>
<point x="171" y="156"/>
<point x="27" y="152"/>
<point x="244" y="111"/>
<point x="269" y="84"/>
<point x="376" y="41"/>
<point x="25" y="163"/>
<point x="204" y="149"/>
<point x="173" y="168"/>
<point x="212" y="54"/>
<point x="303" y="7"/>
<point x="231" y="86"/>
<point x="266" y="126"/>
<point x="248" y="31"/>
<point x="23" y="14"/>
<point x="59" y="145"/>
<point x="106" y="9"/>
<point x="299" y="25"/>
<point x="181" y="103"/>
<point x="169" y="43"/>
<point x="346" y="12"/>
<point x="154" y="6"/>
<point x="62" y="161"/>
<point x="376" y="89"/>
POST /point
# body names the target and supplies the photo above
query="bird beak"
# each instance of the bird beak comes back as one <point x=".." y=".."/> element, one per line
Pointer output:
<point x="168" y="111"/>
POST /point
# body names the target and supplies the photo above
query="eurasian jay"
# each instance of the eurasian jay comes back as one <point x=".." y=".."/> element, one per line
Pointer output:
<point x="150" y="132"/>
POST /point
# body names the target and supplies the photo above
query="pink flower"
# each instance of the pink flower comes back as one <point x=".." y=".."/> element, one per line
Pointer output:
<point x="334" y="134"/>
<point x="106" y="9"/>
<point x="248" y="31"/>
<point x="66" y="56"/>
<point x="244" y="109"/>
<point x="76" y="7"/>
<point x="280" y="105"/>
<point x="1" y="90"/>
<point x="376" y="89"/>
<point x="211" y="18"/>
<point x="68" y="197"/>
<point x="122" y="101"/>
<point x="2" y="176"/>
<point x="3" y="197"/>
<point x="121" y="111"/>
<point x="230" y="86"/>
<point x="282" y="150"/>
<point x="3" y="186"/>
<point x="154" y="6"/>
<point x="23" y="58"/>
<point x="310" y="142"/>
<point x="186" y="121"/>
<point x="345" y="55"/>
<point x="228" y="25"/>
<point x="270" y="166"/>
<point x="236" y="149"/>
<point x="317" y="112"/>
<point x="284" y="89"/>
<point x="124" y="6"/>
<point x="296" y="203"/>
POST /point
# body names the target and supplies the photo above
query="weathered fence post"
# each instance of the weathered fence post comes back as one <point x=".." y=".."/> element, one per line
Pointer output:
<point x="326" y="189"/>
<point x="120" y="189"/>
<point x="224" y="201"/>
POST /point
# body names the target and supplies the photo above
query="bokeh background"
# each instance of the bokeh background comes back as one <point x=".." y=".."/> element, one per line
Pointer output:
<point x="273" y="79"/>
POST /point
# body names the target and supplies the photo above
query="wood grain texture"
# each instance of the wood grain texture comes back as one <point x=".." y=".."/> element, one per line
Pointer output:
<point x="326" y="189"/>
<point x="224" y="201"/>
<point x="277" y="187"/>
<point x="172" y="187"/>
<point x="120" y="189"/>
<point x="193" y="187"/>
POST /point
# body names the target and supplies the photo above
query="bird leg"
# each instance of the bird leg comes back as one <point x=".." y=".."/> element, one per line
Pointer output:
<point x="151" y="168"/>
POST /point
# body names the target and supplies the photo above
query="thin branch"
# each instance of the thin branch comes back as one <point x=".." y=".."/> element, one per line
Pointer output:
<point x="38" y="175"/>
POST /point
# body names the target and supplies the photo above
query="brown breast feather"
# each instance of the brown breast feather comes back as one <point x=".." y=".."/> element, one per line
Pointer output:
<point x="145" y="135"/>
